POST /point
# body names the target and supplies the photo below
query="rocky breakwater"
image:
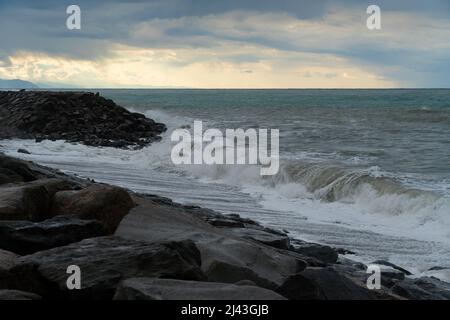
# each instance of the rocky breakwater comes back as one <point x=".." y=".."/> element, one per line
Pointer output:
<point x="133" y="246"/>
<point x="80" y="117"/>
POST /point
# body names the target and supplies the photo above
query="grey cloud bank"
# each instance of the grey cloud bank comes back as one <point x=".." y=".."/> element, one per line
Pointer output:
<point x="412" y="49"/>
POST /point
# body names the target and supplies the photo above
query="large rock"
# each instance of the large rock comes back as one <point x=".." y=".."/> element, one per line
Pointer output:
<point x="9" y="176"/>
<point x="271" y="239"/>
<point x="331" y="285"/>
<point x="107" y="204"/>
<point x="321" y="252"/>
<point x="18" y="295"/>
<point x="299" y="287"/>
<point x="225" y="258"/>
<point x="25" y="237"/>
<point x="74" y="116"/>
<point x="24" y="202"/>
<point x="14" y="170"/>
<point x="168" y="289"/>
<point x="104" y="262"/>
<point x="7" y="261"/>
<point x="390" y="264"/>
<point x="425" y="288"/>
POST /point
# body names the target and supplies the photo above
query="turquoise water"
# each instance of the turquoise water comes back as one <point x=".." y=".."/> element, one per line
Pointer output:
<point x="404" y="132"/>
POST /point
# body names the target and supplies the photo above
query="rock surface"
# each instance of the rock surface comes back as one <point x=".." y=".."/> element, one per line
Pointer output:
<point x="18" y="295"/>
<point x="225" y="258"/>
<point x="334" y="286"/>
<point x="104" y="203"/>
<point x="75" y="117"/>
<point x="24" y="202"/>
<point x="321" y="252"/>
<point x="25" y="237"/>
<point x="168" y="289"/>
<point x="8" y="260"/>
<point x="104" y="262"/>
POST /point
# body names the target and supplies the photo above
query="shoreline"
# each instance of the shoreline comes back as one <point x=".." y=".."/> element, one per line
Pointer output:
<point x="147" y="223"/>
<point x="48" y="218"/>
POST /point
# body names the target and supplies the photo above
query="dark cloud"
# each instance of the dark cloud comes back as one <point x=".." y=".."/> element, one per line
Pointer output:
<point x="39" y="26"/>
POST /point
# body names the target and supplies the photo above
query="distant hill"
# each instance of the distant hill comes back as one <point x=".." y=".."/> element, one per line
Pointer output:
<point x="17" y="84"/>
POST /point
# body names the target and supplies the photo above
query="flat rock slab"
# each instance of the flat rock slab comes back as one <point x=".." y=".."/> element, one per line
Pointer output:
<point x="318" y="251"/>
<point x="26" y="237"/>
<point x="225" y="258"/>
<point x="104" y="262"/>
<point x="267" y="238"/>
<point x="18" y="295"/>
<point x="168" y="289"/>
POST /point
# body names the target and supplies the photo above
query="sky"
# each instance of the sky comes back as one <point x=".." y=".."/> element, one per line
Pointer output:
<point x="227" y="44"/>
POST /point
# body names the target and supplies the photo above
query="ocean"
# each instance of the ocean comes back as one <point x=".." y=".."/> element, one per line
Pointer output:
<point x="364" y="170"/>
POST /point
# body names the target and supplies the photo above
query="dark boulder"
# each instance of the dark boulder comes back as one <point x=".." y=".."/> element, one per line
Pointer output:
<point x="321" y="252"/>
<point x="389" y="264"/>
<point x="225" y="258"/>
<point x="169" y="289"/>
<point x="425" y="288"/>
<point x="24" y="151"/>
<point x="336" y="286"/>
<point x="24" y="202"/>
<point x="7" y="261"/>
<point x="299" y="287"/>
<point x="25" y="237"/>
<point x="18" y="295"/>
<point x="107" y="204"/>
<point x="104" y="262"/>
<point x="270" y="239"/>
<point x="15" y="168"/>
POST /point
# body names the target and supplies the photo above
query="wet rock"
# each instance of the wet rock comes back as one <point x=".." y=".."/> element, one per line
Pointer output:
<point x="9" y="176"/>
<point x="25" y="237"/>
<point x="13" y="167"/>
<point x="168" y="289"/>
<point x="24" y="151"/>
<point x="104" y="262"/>
<point x="217" y="222"/>
<point x="7" y="262"/>
<point x="425" y="288"/>
<point x="321" y="252"/>
<point x="389" y="264"/>
<point x="299" y="287"/>
<point x="107" y="204"/>
<point x="18" y="295"/>
<point x="434" y="286"/>
<point x="24" y="202"/>
<point x="335" y="286"/>
<point x="270" y="239"/>
<point x="225" y="258"/>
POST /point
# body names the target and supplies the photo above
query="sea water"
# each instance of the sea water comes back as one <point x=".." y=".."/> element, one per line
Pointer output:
<point x="366" y="170"/>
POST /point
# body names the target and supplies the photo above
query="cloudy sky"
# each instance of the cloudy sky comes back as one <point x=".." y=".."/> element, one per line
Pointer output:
<point x="227" y="44"/>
